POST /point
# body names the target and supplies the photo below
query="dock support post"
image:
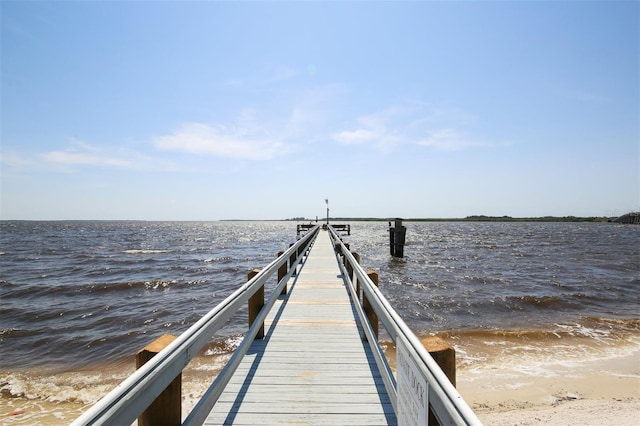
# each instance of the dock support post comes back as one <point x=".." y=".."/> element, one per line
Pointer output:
<point x="392" y="248"/>
<point x="397" y="239"/>
<point x="445" y="356"/>
<point x="292" y="260"/>
<point x="282" y="271"/>
<point x="256" y="302"/>
<point x="167" y="407"/>
<point x="349" y="266"/>
<point x="372" y="317"/>
<point x="356" y="256"/>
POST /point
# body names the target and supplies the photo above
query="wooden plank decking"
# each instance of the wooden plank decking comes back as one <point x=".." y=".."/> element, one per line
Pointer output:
<point x="312" y="367"/>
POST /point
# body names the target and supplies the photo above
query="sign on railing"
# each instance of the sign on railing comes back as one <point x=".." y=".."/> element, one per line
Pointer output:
<point x="413" y="391"/>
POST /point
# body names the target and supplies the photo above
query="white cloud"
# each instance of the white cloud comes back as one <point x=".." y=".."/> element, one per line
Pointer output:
<point x="80" y="153"/>
<point x="449" y="140"/>
<point x="285" y="124"/>
<point x="222" y="141"/>
<point x="410" y="125"/>
<point x="83" y="158"/>
<point x="14" y="160"/>
<point x="378" y="129"/>
<point x="356" y="136"/>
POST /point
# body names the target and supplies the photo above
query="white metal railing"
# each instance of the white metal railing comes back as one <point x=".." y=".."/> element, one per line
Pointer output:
<point x="446" y="403"/>
<point x="130" y="398"/>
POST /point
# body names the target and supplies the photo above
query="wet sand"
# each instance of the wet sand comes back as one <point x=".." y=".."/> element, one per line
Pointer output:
<point x="596" y="392"/>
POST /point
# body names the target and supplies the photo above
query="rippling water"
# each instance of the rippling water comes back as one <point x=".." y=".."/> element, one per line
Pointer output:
<point x="508" y="275"/>
<point x="78" y="299"/>
<point x="92" y="291"/>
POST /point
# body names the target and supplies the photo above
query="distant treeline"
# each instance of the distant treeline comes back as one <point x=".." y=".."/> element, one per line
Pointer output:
<point x="475" y="218"/>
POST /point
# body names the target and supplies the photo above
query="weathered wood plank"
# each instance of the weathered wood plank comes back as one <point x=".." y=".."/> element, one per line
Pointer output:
<point x="320" y="394"/>
<point x="319" y="419"/>
<point x="297" y="407"/>
<point x="318" y="390"/>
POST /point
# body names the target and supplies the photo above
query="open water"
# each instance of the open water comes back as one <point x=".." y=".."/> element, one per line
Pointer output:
<point x="78" y="299"/>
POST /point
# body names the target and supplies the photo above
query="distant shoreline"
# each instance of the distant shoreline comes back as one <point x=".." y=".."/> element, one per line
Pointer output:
<point x="352" y="219"/>
<point x="480" y="218"/>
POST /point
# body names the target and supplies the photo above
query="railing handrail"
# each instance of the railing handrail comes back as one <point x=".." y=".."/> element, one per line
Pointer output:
<point x="130" y="398"/>
<point x="446" y="403"/>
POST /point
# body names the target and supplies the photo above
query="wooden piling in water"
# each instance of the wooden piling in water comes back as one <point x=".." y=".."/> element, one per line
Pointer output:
<point x="167" y="407"/>
<point x="397" y="238"/>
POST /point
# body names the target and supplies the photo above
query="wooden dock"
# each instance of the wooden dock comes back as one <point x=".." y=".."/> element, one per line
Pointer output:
<point x="313" y="368"/>
<point x="311" y="365"/>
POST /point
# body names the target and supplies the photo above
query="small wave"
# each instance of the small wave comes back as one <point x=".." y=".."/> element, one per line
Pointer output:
<point x="588" y="327"/>
<point x="18" y="332"/>
<point x="545" y="302"/>
<point x="539" y="350"/>
<point x="154" y="285"/>
<point x="59" y="387"/>
<point x="114" y="287"/>
<point x="146" y="251"/>
<point x="223" y="347"/>
<point x="119" y="286"/>
<point x="218" y="259"/>
<point x="624" y="324"/>
<point x="59" y="397"/>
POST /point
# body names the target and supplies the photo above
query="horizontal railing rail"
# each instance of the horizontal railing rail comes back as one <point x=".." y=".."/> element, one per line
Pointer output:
<point x="446" y="403"/>
<point x="124" y="404"/>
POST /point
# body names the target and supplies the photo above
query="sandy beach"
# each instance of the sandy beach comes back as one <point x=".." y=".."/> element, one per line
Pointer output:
<point x="591" y="392"/>
<point x="597" y="392"/>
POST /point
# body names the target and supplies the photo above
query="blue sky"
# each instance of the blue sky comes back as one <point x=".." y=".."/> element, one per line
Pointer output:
<point x="261" y="110"/>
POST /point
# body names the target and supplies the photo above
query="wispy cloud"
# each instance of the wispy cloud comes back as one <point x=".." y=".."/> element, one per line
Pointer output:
<point x="73" y="157"/>
<point x="222" y="141"/>
<point x="378" y="129"/>
<point x="410" y="125"/>
<point x="14" y="160"/>
<point x="310" y="113"/>
<point x="358" y="136"/>
<point x="279" y="127"/>
<point x="450" y="140"/>
<point x="80" y="153"/>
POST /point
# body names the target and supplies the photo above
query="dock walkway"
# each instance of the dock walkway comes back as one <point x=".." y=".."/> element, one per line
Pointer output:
<point x="314" y="366"/>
